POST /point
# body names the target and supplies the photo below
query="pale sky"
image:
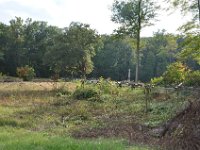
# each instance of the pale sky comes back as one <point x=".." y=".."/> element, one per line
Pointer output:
<point x="97" y="13"/>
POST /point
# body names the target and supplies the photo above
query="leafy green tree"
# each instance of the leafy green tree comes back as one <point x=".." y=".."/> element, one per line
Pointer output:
<point x="190" y="45"/>
<point x="114" y="59"/>
<point x="159" y="51"/>
<point x="175" y="73"/>
<point x="14" y="52"/>
<point x="58" y="56"/>
<point x="3" y="41"/>
<point x="133" y="15"/>
<point x="38" y="38"/>
<point x="148" y="66"/>
<point x="25" y="43"/>
<point x="83" y="43"/>
<point x="74" y="49"/>
<point x="188" y="6"/>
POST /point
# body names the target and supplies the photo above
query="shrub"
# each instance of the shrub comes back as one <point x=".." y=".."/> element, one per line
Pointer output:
<point x="26" y="73"/>
<point x="175" y="73"/>
<point x="107" y="87"/>
<point x="8" y="122"/>
<point x="85" y="93"/>
<point x="62" y="92"/>
<point x="157" y="81"/>
<point x="79" y="112"/>
<point x="1" y="75"/>
<point x="193" y="78"/>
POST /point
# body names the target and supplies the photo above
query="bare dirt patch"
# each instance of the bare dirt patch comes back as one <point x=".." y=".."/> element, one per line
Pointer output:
<point x="133" y="132"/>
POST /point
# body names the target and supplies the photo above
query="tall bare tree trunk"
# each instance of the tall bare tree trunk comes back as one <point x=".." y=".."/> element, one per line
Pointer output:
<point x="138" y="44"/>
<point x="137" y="58"/>
<point x="199" y="9"/>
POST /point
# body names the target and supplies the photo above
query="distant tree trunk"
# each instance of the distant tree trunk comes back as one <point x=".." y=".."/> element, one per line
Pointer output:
<point x="83" y="71"/>
<point x="83" y="74"/>
<point x="199" y="9"/>
<point x="83" y="67"/>
<point x="129" y="75"/>
<point x="138" y="45"/>
<point x="137" y="61"/>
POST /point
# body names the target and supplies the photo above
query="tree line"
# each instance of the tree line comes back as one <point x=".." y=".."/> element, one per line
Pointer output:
<point x="79" y="51"/>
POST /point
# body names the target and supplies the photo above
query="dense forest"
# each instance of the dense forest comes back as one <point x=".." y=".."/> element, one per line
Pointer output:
<point x="78" y="51"/>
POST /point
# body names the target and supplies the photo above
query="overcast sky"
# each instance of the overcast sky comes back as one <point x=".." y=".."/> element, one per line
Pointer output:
<point x="97" y="13"/>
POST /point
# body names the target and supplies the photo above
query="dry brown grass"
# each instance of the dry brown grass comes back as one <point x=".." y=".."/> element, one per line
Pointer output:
<point x="32" y="86"/>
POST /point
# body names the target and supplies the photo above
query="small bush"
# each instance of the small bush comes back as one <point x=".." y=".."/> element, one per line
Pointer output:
<point x="85" y="93"/>
<point x="107" y="87"/>
<point x="8" y="122"/>
<point x="61" y="91"/>
<point x="79" y="112"/>
<point x="1" y="75"/>
<point x="175" y="73"/>
<point x="27" y="73"/>
<point x="193" y="78"/>
<point x="157" y="81"/>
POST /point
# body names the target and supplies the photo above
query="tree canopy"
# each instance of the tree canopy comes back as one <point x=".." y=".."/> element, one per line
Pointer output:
<point x="79" y="51"/>
<point x="133" y="15"/>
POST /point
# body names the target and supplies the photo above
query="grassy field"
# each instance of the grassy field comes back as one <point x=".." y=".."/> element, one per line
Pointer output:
<point x="19" y="139"/>
<point x="46" y="115"/>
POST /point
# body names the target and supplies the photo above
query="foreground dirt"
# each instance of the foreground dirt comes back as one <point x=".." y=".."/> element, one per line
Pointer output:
<point x="184" y="130"/>
<point x="180" y="133"/>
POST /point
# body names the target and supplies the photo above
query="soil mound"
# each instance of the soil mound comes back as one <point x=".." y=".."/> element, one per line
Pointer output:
<point x="183" y="131"/>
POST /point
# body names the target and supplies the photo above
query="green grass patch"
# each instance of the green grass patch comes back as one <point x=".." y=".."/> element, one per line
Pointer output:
<point x="18" y="139"/>
<point x="160" y="112"/>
